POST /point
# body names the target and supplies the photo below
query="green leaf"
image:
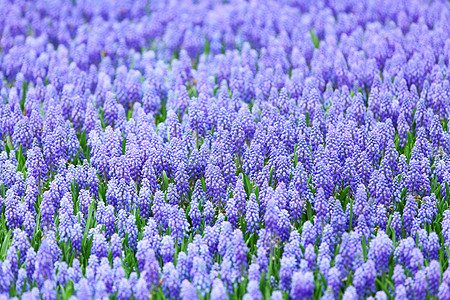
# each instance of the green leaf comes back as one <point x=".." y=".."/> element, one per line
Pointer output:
<point x="314" y="38"/>
<point x="165" y="180"/>
<point x="309" y="211"/>
<point x="203" y="183"/>
<point x="2" y="189"/>
<point x="5" y="245"/>
<point x="247" y="185"/>
<point x="447" y="191"/>
<point x="207" y="46"/>
<point x="67" y="290"/>
<point x="257" y="193"/>
<point x="364" y="246"/>
<point x="351" y="216"/>
<point x="90" y="221"/>
<point x="270" y="176"/>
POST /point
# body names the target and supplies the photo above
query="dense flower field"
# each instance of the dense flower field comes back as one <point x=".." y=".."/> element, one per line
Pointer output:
<point x="224" y="150"/>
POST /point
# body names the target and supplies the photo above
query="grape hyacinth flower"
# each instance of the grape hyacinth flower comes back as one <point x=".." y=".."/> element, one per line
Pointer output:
<point x="288" y="138"/>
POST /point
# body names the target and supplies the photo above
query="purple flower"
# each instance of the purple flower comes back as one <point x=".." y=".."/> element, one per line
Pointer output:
<point x="76" y="236"/>
<point x="116" y="245"/>
<point x="30" y="262"/>
<point x="21" y="283"/>
<point x="178" y="224"/>
<point x="182" y="180"/>
<point x="271" y="216"/>
<point x="396" y="223"/>
<point x="211" y="237"/>
<point x="84" y="289"/>
<point x="444" y="291"/>
<point x="145" y="198"/>
<point x="380" y="250"/>
<point x="283" y="168"/>
<point x="302" y="285"/>
<point x="84" y="201"/>
<point x="151" y="234"/>
<point x="310" y="256"/>
<point x="433" y="272"/>
<point x="43" y="268"/>
<point x="124" y="290"/>
<point x="322" y="180"/>
<point x="254" y="272"/>
<point x="350" y="293"/>
<point x="417" y="178"/>
<point x="381" y="218"/>
<point x="111" y="109"/>
<point x="308" y="234"/>
<point x="433" y="246"/>
<point x="215" y="185"/>
<point x="12" y="209"/>
<point x="188" y="291"/>
<point x="240" y="250"/>
<point x="195" y="215"/>
<point x="208" y="213"/>
<point x="22" y="134"/>
<point x="416" y="259"/>
<point x="232" y="212"/>
<point x="36" y="165"/>
<point x="252" y="214"/>
<point x="64" y="229"/>
<point x="253" y="291"/>
<point x="141" y="290"/>
<point x="420" y="284"/>
<point x="159" y="209"/>
<point x="132" y="232"/>
<point x="200" y="278"/>
<point x="171" y="281"/>
<point x="225" y="238"/>
<point x="218" y="290"/>
<point x="99" y="245"/>
<point x="283" y="225"/>
<point x="167" y="249"/>
<point x="321" y="204"/>
<point x="287" y="269"/>
<point x="108" y="219"/>
<point x="21" y="243"/>
<point x="11" y="264"/>
<point x="350" y="251"/>
<point x="48" y="291"/>
<point x="62" y="274"/>
<point x="398" y="275"/>
<point x="47" y="210"/>
<point x="55" y="145"/>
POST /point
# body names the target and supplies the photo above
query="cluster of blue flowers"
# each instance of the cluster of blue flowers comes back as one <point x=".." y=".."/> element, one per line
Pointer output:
<point x="233" y="149"/>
